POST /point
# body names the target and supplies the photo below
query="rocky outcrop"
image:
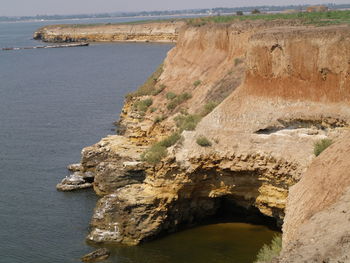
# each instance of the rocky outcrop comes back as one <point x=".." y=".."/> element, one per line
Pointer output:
<point x="317" y="223"/>
<point x="274" y="104"/>
<point x="146" y="32"/>
<point x="77" y="180"/>
<point x="98" y="255"/>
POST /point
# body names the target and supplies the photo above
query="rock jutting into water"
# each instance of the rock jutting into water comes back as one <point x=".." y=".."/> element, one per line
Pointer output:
<point x="273" y="105"/>
<point x="76" y="181"/>
<point x="146" y="32"/>
<point x="51" y="46"/>
<point x="100" y="254"/>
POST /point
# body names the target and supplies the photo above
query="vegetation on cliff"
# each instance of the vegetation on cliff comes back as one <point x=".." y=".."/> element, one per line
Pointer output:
<point x="176" y="100"/>
<point x="159" y="150"/>
<point x="184" y="122"/>
<point x="203" y="141"/>
<point x="149" y="87"/>
<point x="321" y="145"/>
<point x="142" y="105"/>
<point x="268" y="252"/>
<point x="316" y="18"/>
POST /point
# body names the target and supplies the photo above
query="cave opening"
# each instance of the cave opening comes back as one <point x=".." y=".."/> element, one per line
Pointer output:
<point x="189" y="213"/>
<point x="229" y="211"/>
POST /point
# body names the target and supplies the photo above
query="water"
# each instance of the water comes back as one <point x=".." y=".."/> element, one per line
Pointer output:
<point x="54" y="102"/>
<point x="218" y="243"/>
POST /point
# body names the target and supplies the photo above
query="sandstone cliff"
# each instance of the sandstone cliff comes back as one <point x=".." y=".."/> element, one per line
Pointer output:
<point x="280" y="87"/>
<point x="147" y="32"/>
<point x="317" y="223"/>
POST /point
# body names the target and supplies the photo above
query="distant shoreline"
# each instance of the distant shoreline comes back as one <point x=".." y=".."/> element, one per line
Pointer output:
<point x="168" y="13"/>
<point x="101" y="18"/>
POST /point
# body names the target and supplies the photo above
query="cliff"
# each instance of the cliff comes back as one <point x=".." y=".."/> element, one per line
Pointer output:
<point x="273" y="105"/>
<point x="317" y="223"/>
<point x="142" y="32"/>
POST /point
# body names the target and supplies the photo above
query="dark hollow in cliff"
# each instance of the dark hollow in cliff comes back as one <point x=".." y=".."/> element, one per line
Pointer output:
<point x="214" y="211"/>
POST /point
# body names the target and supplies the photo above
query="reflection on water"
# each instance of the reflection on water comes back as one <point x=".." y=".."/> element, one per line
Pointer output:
<point x="216" y="243"/>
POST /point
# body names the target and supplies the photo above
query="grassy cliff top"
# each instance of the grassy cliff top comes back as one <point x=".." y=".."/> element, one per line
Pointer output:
<point x="315" y="18"/>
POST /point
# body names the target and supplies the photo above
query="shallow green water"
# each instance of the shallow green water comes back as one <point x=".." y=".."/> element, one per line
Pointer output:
<point x="216" y="243"/>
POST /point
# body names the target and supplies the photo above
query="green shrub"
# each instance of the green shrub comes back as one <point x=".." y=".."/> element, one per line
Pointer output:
<point x="197" y="83"/>
<point x="178" y="100"/>
<point x="203" y="141"/>
<point x="154" y="154"/>
<point x="208" y="107"/>
<point x="148" y="88"/>
<point x="184" y="111"/>
<point x="159" y="119"/>
<point x="153" y="109"/>
<point x="268" y="252"/>
<point x="183" y="97"/>
<point x="142" y="105"/>
<point x="159" y="90"/>
<point x="170" y="95"/>
<point x="159" y="150"/>
<point x="170" y="140"/>
<point x="238" y="61"/>
<point x="321" y="145"/>
<point x="171" y="105"/>
<point x="256" y="11"/>
<point x="187" y="122"/>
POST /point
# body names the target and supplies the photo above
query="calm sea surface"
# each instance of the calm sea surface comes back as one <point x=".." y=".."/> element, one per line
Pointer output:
<point x="54" y="102"/>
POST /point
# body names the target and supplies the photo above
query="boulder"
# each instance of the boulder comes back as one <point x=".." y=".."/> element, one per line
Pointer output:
<point x="97" y="255"/>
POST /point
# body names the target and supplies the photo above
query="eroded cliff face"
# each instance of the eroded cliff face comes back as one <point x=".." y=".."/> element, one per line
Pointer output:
<point x="317" y="223"/>
<point x="281" y="87"/>
<point x="147" y="32"/>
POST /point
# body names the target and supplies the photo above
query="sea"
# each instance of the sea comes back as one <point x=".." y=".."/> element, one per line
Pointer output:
<point x="53" y="103"/>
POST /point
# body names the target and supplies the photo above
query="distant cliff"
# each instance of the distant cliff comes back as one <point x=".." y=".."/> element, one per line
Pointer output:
<point x="143" y="32"/>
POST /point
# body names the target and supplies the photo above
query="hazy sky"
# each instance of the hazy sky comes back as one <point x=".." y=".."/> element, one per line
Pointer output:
<point x="34" y="7"/>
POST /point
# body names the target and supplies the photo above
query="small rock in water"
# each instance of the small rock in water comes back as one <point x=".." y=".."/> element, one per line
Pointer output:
<point x="97" y="255"/>
<point x="76" y="181"/>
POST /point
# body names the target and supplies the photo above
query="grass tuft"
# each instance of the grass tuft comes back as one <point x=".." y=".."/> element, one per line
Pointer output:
<point x="154" y="154"/>
<point x="170" y="95"/>
<point x="197" y="83"/>
<point x="208" y="107"/>
<point x="159" y="90"/>
<point x="187" y="122"/>
<point x="238" y="61"/>
<point x="142" y="105"/>
<point x="268" y="252"/>
<point x="148" y="88"/>
<point x="203" y="141"/>
<point x="159" y="119"/>
<point x="170" y="140"/>
<point x="321" y="145"/>
<point x="159" y="150"/>
<point x="178" y="100"/>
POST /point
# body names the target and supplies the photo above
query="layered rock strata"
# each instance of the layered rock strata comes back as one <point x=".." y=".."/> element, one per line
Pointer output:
<point x="274" y="105"/>
<point x="147" y="32"/>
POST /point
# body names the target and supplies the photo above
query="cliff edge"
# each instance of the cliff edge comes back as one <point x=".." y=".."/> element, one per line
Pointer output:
<point x="141" y="32"/>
